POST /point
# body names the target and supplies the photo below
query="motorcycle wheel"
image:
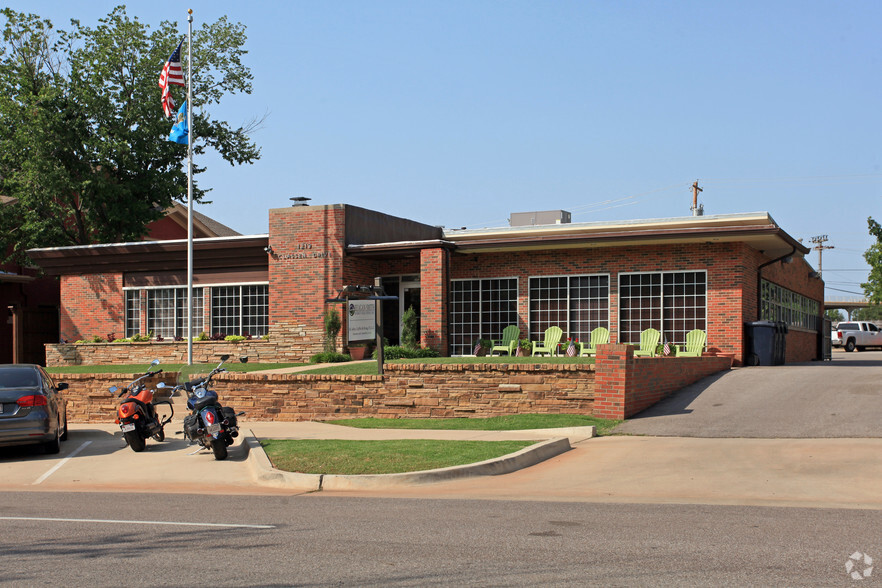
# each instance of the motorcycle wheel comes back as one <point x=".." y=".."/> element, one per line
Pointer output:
<point x="135" y="441"/>
<point x="160" y="436"/>
<point x="219" y="448"/>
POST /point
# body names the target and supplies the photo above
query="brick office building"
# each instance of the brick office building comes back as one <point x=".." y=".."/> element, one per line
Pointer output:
<point x="708" y="272"/>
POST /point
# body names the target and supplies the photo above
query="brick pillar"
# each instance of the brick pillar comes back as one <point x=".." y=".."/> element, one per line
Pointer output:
<point x="611" y="380"/>
<point x="305" y="268"/>
<point x="433" y="299"/>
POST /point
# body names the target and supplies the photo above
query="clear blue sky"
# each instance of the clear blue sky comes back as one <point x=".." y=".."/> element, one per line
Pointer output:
<point x="458" y="113"/>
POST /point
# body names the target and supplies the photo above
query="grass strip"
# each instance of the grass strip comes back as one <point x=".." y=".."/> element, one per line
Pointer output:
<point x="140" y="368"/>
<point x="370" y="367"/>
<point x="516" y="422"/>
<point x="343" y="457"/>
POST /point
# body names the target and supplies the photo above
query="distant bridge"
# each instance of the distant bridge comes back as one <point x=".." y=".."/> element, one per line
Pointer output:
<point x="846" y="303"/>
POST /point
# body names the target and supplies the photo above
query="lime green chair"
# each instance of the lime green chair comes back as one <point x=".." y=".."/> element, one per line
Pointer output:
<point x="509" y="341"/>
<point x="549" y="345"/>
<point x="695" y="341"/>
<point x="648" y="343"/>
<point x="599" y="336"/>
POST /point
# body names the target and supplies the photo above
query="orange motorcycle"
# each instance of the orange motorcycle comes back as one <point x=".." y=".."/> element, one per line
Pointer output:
<point x="136" y="414"/>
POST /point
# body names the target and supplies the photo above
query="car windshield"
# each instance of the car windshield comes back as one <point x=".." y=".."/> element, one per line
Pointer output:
<point x="18" y="377"/>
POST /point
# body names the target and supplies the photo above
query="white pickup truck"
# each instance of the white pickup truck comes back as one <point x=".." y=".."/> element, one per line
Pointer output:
<point x="856" y="335"/>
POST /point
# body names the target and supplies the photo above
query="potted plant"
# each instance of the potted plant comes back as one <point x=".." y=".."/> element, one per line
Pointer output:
<point x="358" y="351"/>
<point x="482" y="347"/>
<point x="525" y="347"/>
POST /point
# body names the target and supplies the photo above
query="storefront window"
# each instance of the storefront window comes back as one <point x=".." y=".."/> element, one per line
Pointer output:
<point x="240" y="310"/>
<point x="780" y="304"/>
<point x="674" y="303"/>
<point x="480" y="309"/>
<point x="167" y="312"/>
<point x="576" y="304"/>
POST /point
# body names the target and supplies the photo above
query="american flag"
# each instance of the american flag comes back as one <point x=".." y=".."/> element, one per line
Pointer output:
<point x="571" y="348"/>
<point x="171" y="74"/>
<point x="477" y="347"/>
<point x="667" y="347"/>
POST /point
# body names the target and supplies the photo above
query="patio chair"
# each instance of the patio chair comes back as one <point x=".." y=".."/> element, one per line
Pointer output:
<point x="549" y="345"/>
<point x="648" y="343"/>
<point x="695" y="341"/>
<point x="599" y="336"/>
<point x="509" y="341"/>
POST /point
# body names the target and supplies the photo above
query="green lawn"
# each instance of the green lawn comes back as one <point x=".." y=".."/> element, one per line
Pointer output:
<point x="140" y="368"/>
<point x="318" y="456"/>
<point x="370" y="367"/>
<point x="515" y="422"/>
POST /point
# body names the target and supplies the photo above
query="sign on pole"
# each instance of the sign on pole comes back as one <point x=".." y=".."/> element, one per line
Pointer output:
<point x="362" y="320"/>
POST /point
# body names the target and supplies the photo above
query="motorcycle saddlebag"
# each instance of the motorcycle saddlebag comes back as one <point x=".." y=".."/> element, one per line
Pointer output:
<point x="191" y="424"/>
<point x="230" y="416"/>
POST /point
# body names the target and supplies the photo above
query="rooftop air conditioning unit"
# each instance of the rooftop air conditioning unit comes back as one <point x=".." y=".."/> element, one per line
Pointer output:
<point x="542" y="217"/>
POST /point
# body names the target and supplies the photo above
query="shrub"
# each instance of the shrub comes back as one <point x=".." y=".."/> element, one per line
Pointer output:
<point x="97" y="339"/>
<point x="399" y="352"/>
<point x="218" y="337"/>
<point x="332" y="328"/>
<point x="329" y="357"/>
<point x="265" y="337"/>
<point x="203" y="336"/>
<point x="409" y="329"/>
<point x="139" y="338"/>
<point x="234" y="338"/>
<point x="110" y="337"/>
<point x="526" y="345"/>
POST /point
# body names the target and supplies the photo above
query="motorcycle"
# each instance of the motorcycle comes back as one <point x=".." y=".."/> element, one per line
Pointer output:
<point x="136" y="414"/>
<point x="210" y="424"/>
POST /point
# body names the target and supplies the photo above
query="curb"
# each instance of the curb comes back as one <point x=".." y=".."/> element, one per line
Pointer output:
<point x="264" y="473"/>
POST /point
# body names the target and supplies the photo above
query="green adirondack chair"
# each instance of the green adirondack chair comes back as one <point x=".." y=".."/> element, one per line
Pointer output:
<point x="509" y="341"/>
<point x="695" y="341"/>
<point x="549" y="345"/>
<point x="599" y="336"/>
<point x="648" y="343"/>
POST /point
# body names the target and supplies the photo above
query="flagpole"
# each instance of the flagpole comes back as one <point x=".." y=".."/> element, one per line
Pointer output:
<point x="190" y="187"/>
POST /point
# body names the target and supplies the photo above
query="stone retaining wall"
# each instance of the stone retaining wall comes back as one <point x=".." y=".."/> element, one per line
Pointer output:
<point x="617" y="386"/>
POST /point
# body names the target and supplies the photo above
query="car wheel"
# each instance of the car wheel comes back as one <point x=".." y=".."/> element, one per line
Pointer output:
<point x="64" y="433"/>
<point x="54" y="446"/>
<point x="849" y="345"/>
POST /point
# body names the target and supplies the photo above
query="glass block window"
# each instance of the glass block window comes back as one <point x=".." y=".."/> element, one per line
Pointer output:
<point x="576" y="304"/>
<point x="674" y="303"/>
<point x="780" y="304"/>
<point x="240" y="310"/>
<point x="133" y="313"/>
<point x="480" y="309"/>
<point x="167" y="312"/>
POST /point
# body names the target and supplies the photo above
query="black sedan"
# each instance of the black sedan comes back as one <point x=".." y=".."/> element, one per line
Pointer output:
<point x="32" y="409"/>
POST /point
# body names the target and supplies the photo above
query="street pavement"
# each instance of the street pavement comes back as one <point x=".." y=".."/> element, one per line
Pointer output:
<point x="799" y="435"/>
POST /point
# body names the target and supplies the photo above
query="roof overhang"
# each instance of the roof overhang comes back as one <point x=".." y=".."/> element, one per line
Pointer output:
<point x="140" y="256"/>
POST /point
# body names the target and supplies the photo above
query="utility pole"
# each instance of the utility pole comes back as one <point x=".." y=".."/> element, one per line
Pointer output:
<point x="696" y="209"/>
<point x="820" y="240"/>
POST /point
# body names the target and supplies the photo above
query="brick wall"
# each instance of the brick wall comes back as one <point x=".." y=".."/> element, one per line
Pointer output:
<point x="626" y="385"/>
<point x="92" y="304"/>
<point x="305" y="269"/>
<point x="433" y="299"/>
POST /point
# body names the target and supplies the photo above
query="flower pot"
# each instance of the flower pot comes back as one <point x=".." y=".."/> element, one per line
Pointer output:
<point x="357" y="353"/>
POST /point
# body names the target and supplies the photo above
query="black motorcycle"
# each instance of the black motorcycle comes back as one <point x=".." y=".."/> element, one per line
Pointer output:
<point x="210" y="424"/>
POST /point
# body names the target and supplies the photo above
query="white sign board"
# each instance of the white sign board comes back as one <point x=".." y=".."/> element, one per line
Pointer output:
<point x="362" y="319"/>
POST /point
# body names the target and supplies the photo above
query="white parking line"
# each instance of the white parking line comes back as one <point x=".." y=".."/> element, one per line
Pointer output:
<point x="61" y="463"/>
<point x="129" y="522"/>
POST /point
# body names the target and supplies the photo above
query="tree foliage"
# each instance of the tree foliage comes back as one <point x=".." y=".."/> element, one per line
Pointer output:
<point x="83" y="150"/>
<point x="873" y="255"/>
<point x="870" y="313"/>
<point x="835" y="315"/>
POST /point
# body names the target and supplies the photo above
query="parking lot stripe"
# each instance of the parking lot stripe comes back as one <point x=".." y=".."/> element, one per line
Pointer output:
<point x="61" y="463"/>
<point x="130" y="522"/>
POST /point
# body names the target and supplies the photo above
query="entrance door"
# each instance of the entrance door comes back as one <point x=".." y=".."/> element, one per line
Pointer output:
<point x="410" y="297"/>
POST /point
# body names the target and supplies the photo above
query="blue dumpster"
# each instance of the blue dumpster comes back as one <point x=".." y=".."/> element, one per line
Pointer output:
<point x="763" y="342"/>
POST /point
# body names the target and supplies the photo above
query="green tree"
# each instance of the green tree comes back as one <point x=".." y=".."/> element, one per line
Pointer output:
<point x="835" y="315"/>
<point x="871" y="313"/>
<point x="410" y="330"/>
<point x="873" y="255"/>
<point x="332" y="329"/>
<point x="83" y="150"/>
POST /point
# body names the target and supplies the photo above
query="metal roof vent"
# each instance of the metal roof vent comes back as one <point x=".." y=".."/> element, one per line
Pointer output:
<point x="300" y="200"/>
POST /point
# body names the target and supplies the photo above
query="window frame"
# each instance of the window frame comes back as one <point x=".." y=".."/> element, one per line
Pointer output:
<point x="674" y="333"/>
